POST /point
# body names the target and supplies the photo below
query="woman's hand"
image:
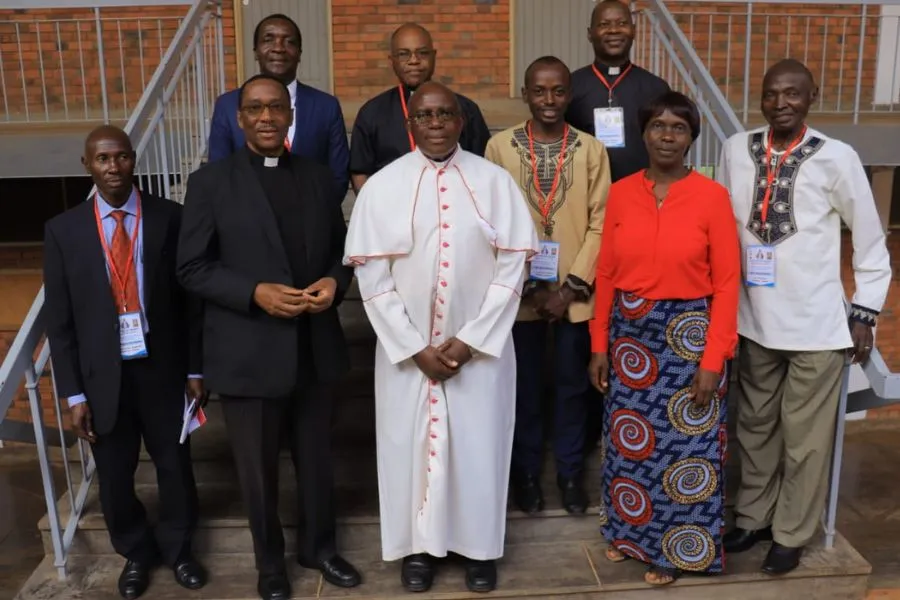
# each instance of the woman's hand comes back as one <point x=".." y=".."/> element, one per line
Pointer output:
<point x="705" y="384"/>
<point x="598" y="371"/>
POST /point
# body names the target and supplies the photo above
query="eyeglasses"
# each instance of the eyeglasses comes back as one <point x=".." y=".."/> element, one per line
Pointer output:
<point x="425" y="117"/>
<point x="405" y="56"/>
<point x="276" y="109"/>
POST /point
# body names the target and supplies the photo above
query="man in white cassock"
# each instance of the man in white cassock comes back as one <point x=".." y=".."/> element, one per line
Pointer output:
<point x="440" y="239"/>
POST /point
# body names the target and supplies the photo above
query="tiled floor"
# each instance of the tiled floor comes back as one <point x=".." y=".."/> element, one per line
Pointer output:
<point x="869" y="514"/>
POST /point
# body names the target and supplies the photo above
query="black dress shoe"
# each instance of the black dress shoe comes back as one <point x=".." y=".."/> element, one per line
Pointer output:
<point x="189" y="573"/>
<point x="528" y="494"/>
<point x="134" y="579"/>
<point x="741" y="540"/>
<point x="481" y="575"/>
<point x="417" y="573"/>
<point x="274" y="586"/>
<point x="574" y="498"/>
<point x="781" y="559"/>
<point x="339" y="572"/>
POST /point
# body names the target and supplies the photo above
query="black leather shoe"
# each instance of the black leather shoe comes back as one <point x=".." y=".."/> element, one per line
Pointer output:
<point x="574" y="498"/>
<point x="339" y="572"/>
<point x="417" y="573"/>
<point x="189" y="573"/>
<point x="528" y="494"/>
<point x="274" y="586"/>
<point x="781" y="559"/>
<point x="481" y="575"/>
<point x="134" y="579"/>
<point x="741" y="540"/>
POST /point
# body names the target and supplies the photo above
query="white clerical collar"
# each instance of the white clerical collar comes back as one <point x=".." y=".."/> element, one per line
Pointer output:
<point x="440" y="164"/>
<point x="270" y="161"/>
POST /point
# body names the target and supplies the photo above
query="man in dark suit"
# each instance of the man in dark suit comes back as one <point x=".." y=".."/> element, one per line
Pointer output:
<point x="125" y="340"/>
<point x="317" y="130"/>
<point x="262" y="243"/>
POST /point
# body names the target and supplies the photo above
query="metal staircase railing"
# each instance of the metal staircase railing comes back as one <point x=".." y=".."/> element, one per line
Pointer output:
<point x="169" y="128"/>
<point x="666" y="50"/>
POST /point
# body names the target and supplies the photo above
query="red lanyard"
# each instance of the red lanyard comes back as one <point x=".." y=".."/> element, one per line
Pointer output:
<point x="772" y="173"/>
<point x="618" y="80"/>
<point x="546" y="204"/>
<point x="412" y="142"/>
<point x="121" y="280"/>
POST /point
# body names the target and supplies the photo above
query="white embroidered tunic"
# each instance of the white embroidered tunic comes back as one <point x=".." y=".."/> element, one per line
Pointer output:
<point x="821" y="183"/>
<point x="440" y="251"/>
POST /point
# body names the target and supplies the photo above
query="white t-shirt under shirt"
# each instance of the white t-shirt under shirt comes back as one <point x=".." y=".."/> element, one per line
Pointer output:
<point x="821" y="183"/>
<point x="292" y="88"/>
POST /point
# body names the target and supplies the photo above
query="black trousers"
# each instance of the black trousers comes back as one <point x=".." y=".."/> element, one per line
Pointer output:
<point x="255" y="429"/>
<point x="142" y="415"/>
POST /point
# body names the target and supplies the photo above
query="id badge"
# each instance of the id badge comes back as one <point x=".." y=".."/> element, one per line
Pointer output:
<point x="545" y="266"/>
<point x="760" y="266"/>
<point x="609" y="126"/>
<point x="131" y="336"/>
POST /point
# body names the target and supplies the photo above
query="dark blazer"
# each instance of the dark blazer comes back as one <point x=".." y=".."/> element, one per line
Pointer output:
<point x="230" y="242"/>
<point x="321" y="133"/>
<point x="82" y="324"/>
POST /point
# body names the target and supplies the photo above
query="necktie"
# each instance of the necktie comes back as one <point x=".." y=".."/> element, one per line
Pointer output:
<point x="121" y="251"/>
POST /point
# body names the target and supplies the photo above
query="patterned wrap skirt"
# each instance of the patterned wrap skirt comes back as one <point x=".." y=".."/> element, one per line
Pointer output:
<point x="663" y="476"/>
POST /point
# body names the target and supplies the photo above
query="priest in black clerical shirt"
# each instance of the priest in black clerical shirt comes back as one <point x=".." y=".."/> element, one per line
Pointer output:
<point x="261" y="242"/>
<point x="379" y="134"/>
<point x="610" y="91"/>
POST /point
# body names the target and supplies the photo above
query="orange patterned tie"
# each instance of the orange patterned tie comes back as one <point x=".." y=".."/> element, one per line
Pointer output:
<point x="129" y="301"/>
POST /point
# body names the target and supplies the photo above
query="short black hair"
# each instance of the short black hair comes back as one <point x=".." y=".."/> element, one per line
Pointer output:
<point x="599" y="6"/>
<point x="676" y="103"/>
<point x="789" y="65"/>
<point x="280" y="17"/>
<point x="257" y="78"/>
<point x="546" y="61"/>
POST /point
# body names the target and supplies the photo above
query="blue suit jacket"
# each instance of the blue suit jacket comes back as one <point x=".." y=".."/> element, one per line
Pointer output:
<point x="320" y="133"/>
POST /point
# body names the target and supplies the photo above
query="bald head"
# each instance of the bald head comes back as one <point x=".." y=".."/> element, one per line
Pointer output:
<point x="410" y="29"/>
<point x="435" y="120"/>
<point x="109" y="159"/>
<point x="438" y="91"/>
<point x="105" y="132"/>
<point x="412" y="55"/>
<point x="789" y="66"/>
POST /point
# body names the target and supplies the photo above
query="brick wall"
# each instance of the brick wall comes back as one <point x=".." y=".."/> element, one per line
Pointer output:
<point x="20" y="409"/>
<point x="471" y="36"/>
<point x="826" y="38"/>
<point x="63" y="42"/>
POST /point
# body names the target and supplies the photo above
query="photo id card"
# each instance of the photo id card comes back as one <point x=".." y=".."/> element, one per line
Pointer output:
<point x="545" y="265"/>
<point x="760" y="266"/>
<point x="131" y="336"/>
<point x="609" y="126"/>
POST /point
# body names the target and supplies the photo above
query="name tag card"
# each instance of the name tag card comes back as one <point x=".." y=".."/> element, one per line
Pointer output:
<point x="131" y="336"/>
<point x="609" y="126"/>
<point x="545" y="266"/>
<point x="760" y="266"/>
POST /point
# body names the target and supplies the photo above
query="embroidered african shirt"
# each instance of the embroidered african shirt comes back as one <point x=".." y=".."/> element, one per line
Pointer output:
<point x="578" y="206"/>
<point x="820" y="184"/>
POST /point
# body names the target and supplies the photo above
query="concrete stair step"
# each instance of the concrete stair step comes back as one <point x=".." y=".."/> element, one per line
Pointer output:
<point x="551" y="570"/>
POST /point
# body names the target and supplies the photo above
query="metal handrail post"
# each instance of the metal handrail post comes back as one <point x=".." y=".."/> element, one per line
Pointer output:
<point x="101" y="65"/>
<point x="837" y="455"/>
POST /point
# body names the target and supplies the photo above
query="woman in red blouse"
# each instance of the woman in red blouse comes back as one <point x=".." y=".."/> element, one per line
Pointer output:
<point x="666" y="321"/>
